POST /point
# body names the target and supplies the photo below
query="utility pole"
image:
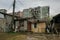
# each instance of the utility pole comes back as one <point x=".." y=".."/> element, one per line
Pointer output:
<point x="14" y="13"/>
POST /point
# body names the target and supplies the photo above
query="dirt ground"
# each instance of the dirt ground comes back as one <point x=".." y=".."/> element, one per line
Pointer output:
<point x="23" y="36"/>
<point x="12" y="36"/>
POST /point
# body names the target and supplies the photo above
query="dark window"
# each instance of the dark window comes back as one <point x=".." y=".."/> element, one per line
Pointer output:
<point x="22" y="24"/>
<point x="35" y="25"/>
<point x="1" y="15"/>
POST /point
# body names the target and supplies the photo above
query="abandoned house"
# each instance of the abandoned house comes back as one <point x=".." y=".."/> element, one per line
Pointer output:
<point x="32" y="20"/>
<point x="39" y="17"/>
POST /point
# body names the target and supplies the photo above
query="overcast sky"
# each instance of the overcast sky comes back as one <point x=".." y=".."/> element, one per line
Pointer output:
<point x="23" y="4"/>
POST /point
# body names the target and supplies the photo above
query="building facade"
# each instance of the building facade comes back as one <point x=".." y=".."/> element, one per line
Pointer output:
<point x="40" y="13"/>
<point x="27" y="13"/>
<point x="40" y="17"/>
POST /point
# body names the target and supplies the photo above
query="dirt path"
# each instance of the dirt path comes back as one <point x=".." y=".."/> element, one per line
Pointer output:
<point x="18" y="36"/>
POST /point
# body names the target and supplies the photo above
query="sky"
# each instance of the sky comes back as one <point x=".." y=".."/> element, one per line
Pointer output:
<point x="24" y="4"/>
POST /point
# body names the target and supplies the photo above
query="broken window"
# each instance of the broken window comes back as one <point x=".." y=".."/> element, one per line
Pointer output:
<point x="35" y="25"/>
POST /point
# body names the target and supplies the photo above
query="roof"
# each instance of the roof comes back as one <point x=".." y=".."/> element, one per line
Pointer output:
<point x="56" y="18"/>
<point x="7" y="14"/>
<point x="22" y="19"/>
<point x="19" y="14"/>
<point x="36" y="21"/>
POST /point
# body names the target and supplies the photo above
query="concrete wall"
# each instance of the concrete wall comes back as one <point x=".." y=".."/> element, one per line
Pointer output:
<point x="25" y="25"/>
<point x="8" y="22"/>
<point x="26" y="13"/>
<point x="2" y="25"/>
<point x="44" y="12"/>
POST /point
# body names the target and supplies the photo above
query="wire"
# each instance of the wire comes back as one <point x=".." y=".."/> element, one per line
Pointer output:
<point x="10" y="7"/>
<point x="20" y="2"/>
<point x="17" y="5"/>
